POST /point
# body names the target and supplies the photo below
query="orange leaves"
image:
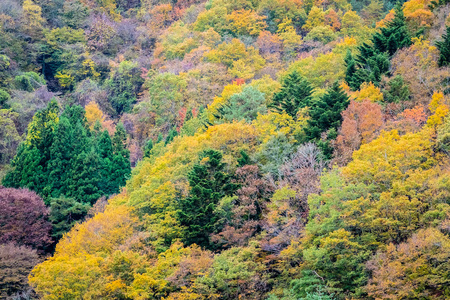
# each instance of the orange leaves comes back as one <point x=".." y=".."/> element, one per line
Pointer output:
<point x="361" y="123"/>
<point x="416" y="115"/>
<point x="418" y="13"/>
<point x="332" y="20"/>
<point x="389" y="17"/>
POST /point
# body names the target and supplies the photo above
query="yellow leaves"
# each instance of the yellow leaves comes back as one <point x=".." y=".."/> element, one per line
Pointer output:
<point x="273" y="123"/>
<point x="279" y="209"/>
<point x="103" y="233"/>
<point x="65" y="80"/>
<point x="243" y="22"/>
<point x="288" y="35"/>
<point x="93" y="114"/>
<point x="438" y="109"/>
<point x="339" y="238"/>
<point x="368" y="91"/>
<point x="424" y="52"/>
<point x="418" y="13"/>
<point x="390" y="157"/>
<point x="422" y="256"/>
<point x="321" y="71"/>
<point x="67" y="277"/>
<point x="218" y="102"/>
<point x="32" y="14"/>
<point x="89" y="69"/>
<point x="266" y="85"/>
<point x="351" y="24"/>
<point x="178" y="265"/>
<point x="316" y="18"/>
<point x="210" y="37"/>
<point x="242" y="61"/>
<point x="177" y="42"/>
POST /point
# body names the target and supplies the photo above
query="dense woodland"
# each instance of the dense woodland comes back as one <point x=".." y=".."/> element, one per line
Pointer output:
<point x="224" y="149"/>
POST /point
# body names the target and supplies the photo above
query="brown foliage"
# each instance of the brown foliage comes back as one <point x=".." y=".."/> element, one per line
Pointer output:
<point x="16" y="263"/>
<point x="247" y="208"/>
<point x="412" y="270"/>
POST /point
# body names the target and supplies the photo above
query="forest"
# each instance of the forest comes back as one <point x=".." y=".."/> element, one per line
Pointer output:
<point x="225" y="149"/>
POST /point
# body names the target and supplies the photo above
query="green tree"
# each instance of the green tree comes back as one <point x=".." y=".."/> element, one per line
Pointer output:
<point x="295" y="94"/>
<point x="170" y="136"/>
<point x="121" y="167"/>
<point x="84" y="177"/>
<point x="350" y="71"/>
<point x="444" y="49"/>
<point x="60" y="156"/>
<point x="245" y="105"/>
<point x="29" y="81"/>
<point x="373" y="59"/>
<point x="325" y="116"/>
<point x="106" y="159"/>
<point x="209" y="183"/>
<point x="64" y="213"/>
<point x="4" y="98"/>
<point x="123" y="86"/>
<point x="30" y="163"/>
<point x="394" y="36"/>
<point x="397" y="90"/>
<point x="148" y="148"/>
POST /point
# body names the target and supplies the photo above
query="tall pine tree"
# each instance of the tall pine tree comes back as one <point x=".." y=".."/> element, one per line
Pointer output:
<point x="325" y="116"/>
<point x="30" y="163"/>
<point x="61" y="153"/>
<point x="295" y="93"/>
<point x="106" y="157"/>
<point x="121" y="167"/>
<point x="209" y="183"/>
<point x="373" y="59"/>
<point x="444" y="49"/>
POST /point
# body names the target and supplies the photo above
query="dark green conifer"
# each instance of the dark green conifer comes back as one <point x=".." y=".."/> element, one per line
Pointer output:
<point x="106" y="158"/>
<point x="244" y="159"/>
<point x="209" y="183"/>
<point x="30" y="168"/>
<point x="296" y="93"/>
<point x="148" y="148"/>
<point x="170" y="136"/>
<point x="394" y="36"/>
<point x="444" y="49"/>
<point x="121" y="167"/>
<point x="325" y="116"/>
<point x="350" y="71"/>
<point x="64" y="213"/>
<point x="373" y="59"/>
<point x="60" y="157"/>
<point x="84" y="178"/>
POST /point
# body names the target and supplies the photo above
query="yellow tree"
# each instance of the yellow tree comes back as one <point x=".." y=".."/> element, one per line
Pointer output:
<point x="94" y="114"/>
<point x="32" y="18"/>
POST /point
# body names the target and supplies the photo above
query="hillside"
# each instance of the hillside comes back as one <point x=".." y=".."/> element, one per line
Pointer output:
<point x="224" y="149"/>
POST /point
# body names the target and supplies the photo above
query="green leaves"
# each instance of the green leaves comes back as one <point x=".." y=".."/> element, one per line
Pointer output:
<point x="209" y="183"/>
<point x="295" y="93"/>
<point x="325" y="116"/>
<point x="444" y="49"/>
